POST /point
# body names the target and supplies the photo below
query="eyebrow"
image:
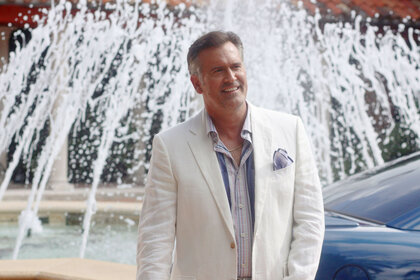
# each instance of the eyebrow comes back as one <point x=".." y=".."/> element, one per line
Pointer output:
<point x="216" y="68"/>
<point x="221" y="67"/>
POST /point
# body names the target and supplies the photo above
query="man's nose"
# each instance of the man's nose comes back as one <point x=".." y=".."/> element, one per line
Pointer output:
<point x="230" y="75"/>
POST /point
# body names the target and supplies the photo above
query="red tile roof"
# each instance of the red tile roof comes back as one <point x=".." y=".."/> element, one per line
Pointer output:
<point x="43" y="2"/>
<point x="372" y="8"/>
<point x="20" y="13"/>
<point x="391" y="10"/>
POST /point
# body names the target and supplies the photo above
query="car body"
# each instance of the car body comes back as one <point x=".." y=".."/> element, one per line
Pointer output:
<point x="373" y="224"/>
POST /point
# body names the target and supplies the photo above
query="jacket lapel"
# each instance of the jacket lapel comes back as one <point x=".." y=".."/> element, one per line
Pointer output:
<point x="261" y="138"/>
<point x="202" y="148"/>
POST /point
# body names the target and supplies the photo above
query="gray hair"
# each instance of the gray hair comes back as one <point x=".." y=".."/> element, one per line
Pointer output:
<point x="212" y="39"/>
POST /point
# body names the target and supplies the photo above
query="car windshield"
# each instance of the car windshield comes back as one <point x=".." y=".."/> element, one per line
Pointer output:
<point x="379" y="195"/>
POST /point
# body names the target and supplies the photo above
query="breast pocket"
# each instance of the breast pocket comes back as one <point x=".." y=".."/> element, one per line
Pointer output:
<point x="285" y="169"/>
<point x="284" y="176"/>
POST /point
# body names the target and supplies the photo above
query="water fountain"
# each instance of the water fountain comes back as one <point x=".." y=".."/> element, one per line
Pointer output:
<point x="112" y="77"/>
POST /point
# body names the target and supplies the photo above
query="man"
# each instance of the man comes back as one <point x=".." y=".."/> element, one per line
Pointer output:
<point x="234" y="190"/>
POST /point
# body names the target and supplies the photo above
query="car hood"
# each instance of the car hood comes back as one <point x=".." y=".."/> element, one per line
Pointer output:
<point x="333" y="221"/>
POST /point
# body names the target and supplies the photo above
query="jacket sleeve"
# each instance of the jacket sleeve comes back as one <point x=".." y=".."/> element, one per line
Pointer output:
<point x="158" y="218"/>
<point x="308" y="213"/>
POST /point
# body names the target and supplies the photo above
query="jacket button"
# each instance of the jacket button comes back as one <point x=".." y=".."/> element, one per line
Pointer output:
<point x="232" y="245"/>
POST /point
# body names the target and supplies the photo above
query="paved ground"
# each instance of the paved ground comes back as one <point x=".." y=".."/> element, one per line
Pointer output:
<point x="65" y="269"/>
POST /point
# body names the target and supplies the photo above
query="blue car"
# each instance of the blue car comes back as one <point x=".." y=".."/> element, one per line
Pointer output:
<point x="373" y="224"/>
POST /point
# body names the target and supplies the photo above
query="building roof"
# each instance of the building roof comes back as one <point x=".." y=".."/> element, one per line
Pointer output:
<point x="20" y="13"/>
<point x="391" y="9"/>
<point x="383" y="12"/>
<point x="47" y="2"/>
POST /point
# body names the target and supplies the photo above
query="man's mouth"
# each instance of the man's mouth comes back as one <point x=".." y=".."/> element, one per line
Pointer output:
<point x="231" y="89"/>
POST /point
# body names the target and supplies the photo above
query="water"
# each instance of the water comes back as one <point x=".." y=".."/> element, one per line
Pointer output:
<point x="355" y="91"/>
<point x="112" y="78"/>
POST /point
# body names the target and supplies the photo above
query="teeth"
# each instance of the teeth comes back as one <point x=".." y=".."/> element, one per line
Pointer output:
<point x="231" y="89"/>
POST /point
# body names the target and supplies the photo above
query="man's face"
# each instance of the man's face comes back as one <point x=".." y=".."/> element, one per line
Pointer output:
<point x="222" y="79"/>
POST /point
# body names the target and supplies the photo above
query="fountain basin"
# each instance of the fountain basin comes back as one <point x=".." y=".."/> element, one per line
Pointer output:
<point x="113" y="233"/>
<point x="71" y="212"/>
<point x="68" y="207"/>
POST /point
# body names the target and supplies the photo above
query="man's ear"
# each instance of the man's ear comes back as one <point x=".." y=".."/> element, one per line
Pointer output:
<point x="196" y="84"/>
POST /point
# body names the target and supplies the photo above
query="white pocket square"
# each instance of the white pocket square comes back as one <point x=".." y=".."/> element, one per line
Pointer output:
<point x="281" y="159"/>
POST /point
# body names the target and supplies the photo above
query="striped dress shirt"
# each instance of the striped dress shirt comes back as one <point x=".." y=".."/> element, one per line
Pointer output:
<point x="239" y="184"/>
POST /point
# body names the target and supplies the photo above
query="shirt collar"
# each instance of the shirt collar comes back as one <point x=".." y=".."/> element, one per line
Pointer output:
<point x="246" y="132"/>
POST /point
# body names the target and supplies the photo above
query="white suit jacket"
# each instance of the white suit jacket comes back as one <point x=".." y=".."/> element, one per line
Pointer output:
<point x="185" y="199"/>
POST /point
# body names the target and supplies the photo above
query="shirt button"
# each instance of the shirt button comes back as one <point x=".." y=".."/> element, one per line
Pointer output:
<point x="241" y="206"/>
<point x="242" y="234"/>
<point x="232" y="245"/>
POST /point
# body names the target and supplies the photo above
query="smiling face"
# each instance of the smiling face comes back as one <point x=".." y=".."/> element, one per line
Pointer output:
<point x="221" y="79"/>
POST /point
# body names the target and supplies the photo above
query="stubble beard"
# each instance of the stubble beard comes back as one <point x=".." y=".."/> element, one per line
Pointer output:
<point x="233" y="101"/>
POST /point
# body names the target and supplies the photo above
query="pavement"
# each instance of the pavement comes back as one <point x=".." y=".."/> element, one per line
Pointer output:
<point x="65" y="269"/>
